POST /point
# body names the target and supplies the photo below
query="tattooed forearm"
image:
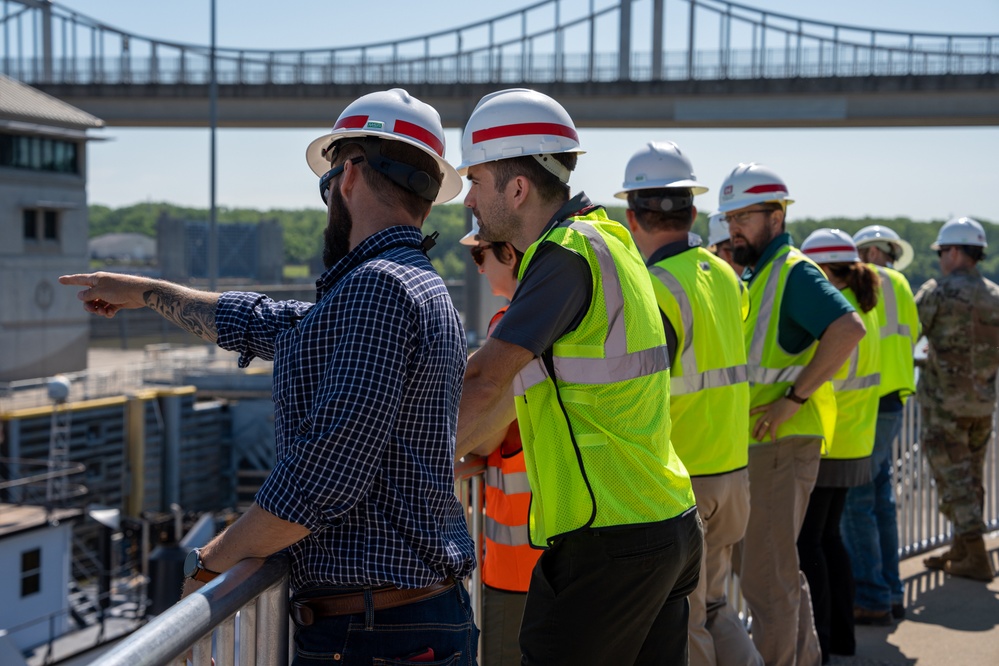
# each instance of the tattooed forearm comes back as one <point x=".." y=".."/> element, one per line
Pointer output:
<point x="192" y="310"/>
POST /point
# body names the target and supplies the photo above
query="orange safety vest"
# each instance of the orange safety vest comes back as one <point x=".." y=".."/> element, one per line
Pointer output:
<point x="509" y="558"/>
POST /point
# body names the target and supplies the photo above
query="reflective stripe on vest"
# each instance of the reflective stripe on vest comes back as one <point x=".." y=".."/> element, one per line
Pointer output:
<point x="891" y="327"/>
<point x="754" y="358"/>
<point x="508" y="535"/>
<point x="509" y="482"/>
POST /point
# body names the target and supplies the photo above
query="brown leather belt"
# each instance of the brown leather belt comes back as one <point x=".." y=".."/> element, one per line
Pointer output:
<point x="306" y="611"/>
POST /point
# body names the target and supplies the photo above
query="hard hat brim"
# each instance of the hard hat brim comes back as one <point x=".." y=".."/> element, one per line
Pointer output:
<point x="450" y="187"/>
<point x="905" y="256"/>
<point x="695" y="187"/>
<point x="463" y="168"/>
<point x="746" y="203"/>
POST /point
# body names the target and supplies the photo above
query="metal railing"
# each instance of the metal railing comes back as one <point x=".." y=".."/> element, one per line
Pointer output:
<point x="550" y="40"/>
<point x="254" y="591"/>
<point x="188" y="623"/>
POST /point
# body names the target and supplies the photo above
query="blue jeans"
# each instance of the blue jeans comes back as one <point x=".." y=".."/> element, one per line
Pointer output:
<point x="441" y="626"/>
<point x="870" y="527"/>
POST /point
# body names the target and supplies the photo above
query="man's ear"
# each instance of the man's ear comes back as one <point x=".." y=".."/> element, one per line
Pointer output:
<point x="632" y="220"/>
<point x="693" y="215"/>
<point x="348" y="179"/>
<point x="519" y="189"/>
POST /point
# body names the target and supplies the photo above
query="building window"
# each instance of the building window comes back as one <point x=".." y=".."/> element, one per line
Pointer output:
<point x="31" y="572"/>
<point x="37" y="153"/>
<point x="41" y="228"/>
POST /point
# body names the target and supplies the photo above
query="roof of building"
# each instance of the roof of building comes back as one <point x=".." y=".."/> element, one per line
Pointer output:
<point x="22" y="103"/>
<point x="23" y="517"/>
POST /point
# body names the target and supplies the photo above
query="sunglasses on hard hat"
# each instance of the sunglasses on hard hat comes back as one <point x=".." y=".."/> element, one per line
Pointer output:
<point x="324" y="182"/>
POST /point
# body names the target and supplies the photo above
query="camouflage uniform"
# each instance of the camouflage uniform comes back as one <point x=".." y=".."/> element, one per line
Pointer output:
<point x="959" y="314"/>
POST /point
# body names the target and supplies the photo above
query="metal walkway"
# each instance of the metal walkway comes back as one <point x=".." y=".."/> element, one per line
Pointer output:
<point x="680" y="63"/>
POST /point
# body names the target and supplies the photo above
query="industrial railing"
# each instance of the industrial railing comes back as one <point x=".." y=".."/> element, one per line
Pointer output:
<point x="263" y="635"/>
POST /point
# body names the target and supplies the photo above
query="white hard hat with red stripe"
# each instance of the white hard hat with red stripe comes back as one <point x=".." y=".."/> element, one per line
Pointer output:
<point x="393" y="115"/>
<point x="750" y="184"/>
<point x="960" y="231"/>
<point x="830" y="246"/>
<point x="717" y="229"/>
<point x="660" y="164"/>
<point x="888" y="242"/>
<point x="515" y="123"/>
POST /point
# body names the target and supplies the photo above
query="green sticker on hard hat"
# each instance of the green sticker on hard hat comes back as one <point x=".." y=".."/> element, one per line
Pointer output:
<point x="374" y="124"/>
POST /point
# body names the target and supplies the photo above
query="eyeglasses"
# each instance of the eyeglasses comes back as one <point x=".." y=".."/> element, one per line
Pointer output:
<point x="743" y="217"/>
<point x="944" y="250"/>
<point x="324" y="182"/>
<point x="479" y="253"/>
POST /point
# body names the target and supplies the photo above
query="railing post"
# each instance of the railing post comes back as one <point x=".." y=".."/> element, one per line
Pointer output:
<point x="591" y="57"/>
<point x="657" y="40"/>
<point x="624" y="43"/>
<point x="690" y="40"/>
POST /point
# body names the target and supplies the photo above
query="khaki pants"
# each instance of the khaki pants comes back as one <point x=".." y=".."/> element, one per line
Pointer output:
<point x="781" y="477"/>
<point x="717" y="635"/>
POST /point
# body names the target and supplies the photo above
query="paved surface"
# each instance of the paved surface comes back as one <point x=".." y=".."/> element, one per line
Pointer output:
<point x="948" y="620"/>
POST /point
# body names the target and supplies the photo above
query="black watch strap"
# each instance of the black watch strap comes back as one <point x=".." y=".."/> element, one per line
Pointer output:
<point x="794" y="397"/>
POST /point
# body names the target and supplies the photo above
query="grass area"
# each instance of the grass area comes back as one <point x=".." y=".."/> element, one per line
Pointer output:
<point x="296" y="271"/>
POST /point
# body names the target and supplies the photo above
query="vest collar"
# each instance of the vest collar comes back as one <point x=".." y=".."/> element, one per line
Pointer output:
<point x="676" y="247"/>
<point x="768" y="254"/>
<point x="575" y="207"/>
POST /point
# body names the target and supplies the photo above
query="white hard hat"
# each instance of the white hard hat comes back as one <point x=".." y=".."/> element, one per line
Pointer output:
<point x="518" y="122"/>
<point x="750" y="184"/>
<point x="717" y="229"/>
<point x="960" y="231"/>
<point x="830" y="246"/>
<point x="888" y="241"/>
<point x="659" y="164"/>
<point x="393" y="115"/>
<point x="472" y="237"/>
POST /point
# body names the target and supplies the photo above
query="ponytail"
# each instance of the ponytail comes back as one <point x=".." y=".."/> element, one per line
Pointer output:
<point x="861" y="279"/>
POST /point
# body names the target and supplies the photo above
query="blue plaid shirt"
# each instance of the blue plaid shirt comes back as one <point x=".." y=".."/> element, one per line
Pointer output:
<point x="366" y="389"/>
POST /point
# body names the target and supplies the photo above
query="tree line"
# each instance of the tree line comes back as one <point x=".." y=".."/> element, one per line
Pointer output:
<point x="303" y="232"/>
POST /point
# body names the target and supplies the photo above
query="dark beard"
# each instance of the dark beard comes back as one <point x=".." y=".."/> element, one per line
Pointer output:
<point x="337" y="232"/>
<point x="745" y="255"/>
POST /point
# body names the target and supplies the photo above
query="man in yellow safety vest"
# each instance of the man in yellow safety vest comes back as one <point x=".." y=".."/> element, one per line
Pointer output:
<point x="799" y="332"/>
<point x="703" y="305"/>
<point x="581" y="353"/>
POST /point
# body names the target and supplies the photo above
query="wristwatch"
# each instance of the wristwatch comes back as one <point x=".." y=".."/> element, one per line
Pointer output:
<point x="794" y="397"/>
<point x="195" y="569"/>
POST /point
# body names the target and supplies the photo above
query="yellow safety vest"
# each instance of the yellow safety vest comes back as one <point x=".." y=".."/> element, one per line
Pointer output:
<point x="709" y="402"/>
<point x="771" y="368"/>
<point x="857" y="386"/>
<point x="898" y="321"/>
<point x="597" y="449"/>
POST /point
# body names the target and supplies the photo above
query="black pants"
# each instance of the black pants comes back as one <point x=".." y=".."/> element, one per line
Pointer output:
<point x="826" y="565"/>
<point x="614" y="596"/>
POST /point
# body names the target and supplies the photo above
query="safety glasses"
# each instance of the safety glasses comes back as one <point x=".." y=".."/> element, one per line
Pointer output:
<point x="324" y="182"/>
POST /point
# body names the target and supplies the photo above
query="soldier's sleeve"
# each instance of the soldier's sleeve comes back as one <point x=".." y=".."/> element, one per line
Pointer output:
<point x="927" y="303"/>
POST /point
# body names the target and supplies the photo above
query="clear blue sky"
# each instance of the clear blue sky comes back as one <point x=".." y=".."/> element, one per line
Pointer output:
<point x="925" y="174"/>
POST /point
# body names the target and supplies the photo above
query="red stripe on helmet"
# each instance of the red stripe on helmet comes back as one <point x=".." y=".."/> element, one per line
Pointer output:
<point x="421" y="134"/>
<point x="761" y="189"/>
<point x="350" y="122"/>
<point x="831" y="248"/>
<point x="524" y="129"/>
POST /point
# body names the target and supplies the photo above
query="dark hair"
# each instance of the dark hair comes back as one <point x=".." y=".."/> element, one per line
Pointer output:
<point x="861" y="278"/>
<point x="678" y="219"/>
<point x="549" y="187"/>
<point x="498" y="248"/>
<point x="390" y="192"/>
<point x="975" y="252"/>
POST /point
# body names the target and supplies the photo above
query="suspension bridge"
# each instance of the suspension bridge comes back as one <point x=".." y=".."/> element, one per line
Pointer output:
<point x="612" y="63"/>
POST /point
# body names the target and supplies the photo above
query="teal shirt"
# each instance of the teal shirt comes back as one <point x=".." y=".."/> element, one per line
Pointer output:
<point x="810" y="302"/>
